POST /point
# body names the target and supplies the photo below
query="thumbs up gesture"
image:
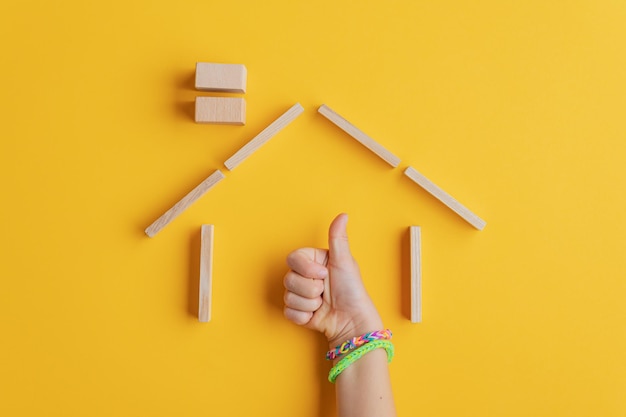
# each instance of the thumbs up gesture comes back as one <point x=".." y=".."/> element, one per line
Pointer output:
<point x="324" y="290"/>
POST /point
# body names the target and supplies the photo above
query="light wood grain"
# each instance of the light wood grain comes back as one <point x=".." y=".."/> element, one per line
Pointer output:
<point x="445" y="198"/>
<point x="229" y="78"/>
<point x="264" y="136"/>
<point x="206" y="273"/>
<point x="416" y="274"/>
<point x="360" y="136"/>
<point x="184" y="203"/>
<point x="221" y="110"/>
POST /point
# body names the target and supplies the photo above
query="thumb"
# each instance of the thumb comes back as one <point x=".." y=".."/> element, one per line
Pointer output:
<point x="338" y="246"/>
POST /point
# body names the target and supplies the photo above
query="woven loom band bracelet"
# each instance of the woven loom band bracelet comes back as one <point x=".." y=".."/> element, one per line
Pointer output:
<point x="357" y="354"/>
<point x="355" y="342"/>
<point x="346" y="347"/>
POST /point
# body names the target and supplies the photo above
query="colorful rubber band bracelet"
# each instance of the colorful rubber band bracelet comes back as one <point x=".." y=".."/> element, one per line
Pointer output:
<point x="354" y="356"/>
<point x="356" y="342"/>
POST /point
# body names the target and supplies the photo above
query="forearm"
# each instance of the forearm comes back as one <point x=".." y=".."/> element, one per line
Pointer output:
<point x="364" y="388"/>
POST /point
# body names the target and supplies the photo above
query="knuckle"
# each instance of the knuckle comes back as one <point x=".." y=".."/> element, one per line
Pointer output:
<point x="287" y="297"/>
<point x="295" y="316"/>
<point x="294" y="257"/>
<point x="290" y="280"/>
<point x="287" y="280"/>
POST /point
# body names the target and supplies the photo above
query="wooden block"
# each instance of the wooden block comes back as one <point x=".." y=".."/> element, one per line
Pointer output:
<point x="264" y="136"/>
<point x="184" y="203"/>
<point x="416" y="275"/>
<point x="206" y="273"/>
<point x="228" y="78"/>
<point x="445" y="198"/>
<point x="221" y="110"/>
<point x="357" y="134"/>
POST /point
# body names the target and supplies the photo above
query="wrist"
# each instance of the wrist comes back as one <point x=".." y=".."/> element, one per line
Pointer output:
<point x="355" y="329"/>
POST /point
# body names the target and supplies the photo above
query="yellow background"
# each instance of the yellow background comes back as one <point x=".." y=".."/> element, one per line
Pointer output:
<point x="515" y="108"/>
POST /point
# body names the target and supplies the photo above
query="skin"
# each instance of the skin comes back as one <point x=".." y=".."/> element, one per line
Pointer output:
<point x="324" y="292"/>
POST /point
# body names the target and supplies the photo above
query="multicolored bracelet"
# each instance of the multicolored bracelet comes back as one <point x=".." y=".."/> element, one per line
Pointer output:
<point x="356" y="342"/>
<point x="352" y="357"/>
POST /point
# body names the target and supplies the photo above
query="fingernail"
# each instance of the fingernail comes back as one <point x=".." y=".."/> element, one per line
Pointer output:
<point x="322" y="274"/>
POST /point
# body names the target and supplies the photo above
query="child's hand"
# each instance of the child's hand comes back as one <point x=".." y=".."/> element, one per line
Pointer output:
<point x="324" y="290"/>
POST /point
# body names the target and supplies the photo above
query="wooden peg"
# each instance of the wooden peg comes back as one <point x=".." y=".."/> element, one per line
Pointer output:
<point x="264" y="136"/>
<point x="416" y="275"/>
<point x="184" y="203"/>
<point x="228" y="78"/>
<point x="221" y="110"/>
<point x="206" y="273"/>
<point x="357" y="134"/>
<point x="445" y="198"/>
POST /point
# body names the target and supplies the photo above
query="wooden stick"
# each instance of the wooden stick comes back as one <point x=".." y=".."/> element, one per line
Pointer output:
<point x="221" y="110"/>
<point x="416" y="275"/>
<point x="445" y="198"/>
<point x="184" y="203"/>
<point x="264" y="136"/>
<point x="357" y="134"/>
<point x="228" y="78"/>
<point x="206" y="273"/>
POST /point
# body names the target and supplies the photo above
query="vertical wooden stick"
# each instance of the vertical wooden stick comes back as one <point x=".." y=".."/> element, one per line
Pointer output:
<point x="206" y="273"/>
<point x="416" y="275"/>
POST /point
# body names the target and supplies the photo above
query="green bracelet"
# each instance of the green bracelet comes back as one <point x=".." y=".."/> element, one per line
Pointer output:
<point x="355" y="355"/>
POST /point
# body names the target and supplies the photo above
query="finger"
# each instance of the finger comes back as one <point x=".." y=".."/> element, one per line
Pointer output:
<point x="296" y="302"/>
<point x="298" y="317"/>
<point x="339" y="248"/>
<point x="308" y="262"/>
<point x="304" y="287"/>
